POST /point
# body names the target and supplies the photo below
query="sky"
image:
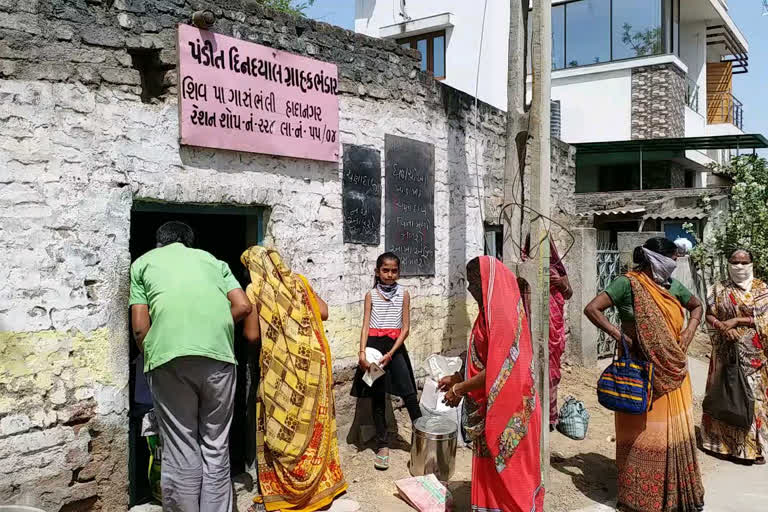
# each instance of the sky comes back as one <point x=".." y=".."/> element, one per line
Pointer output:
<point x="750" y="88"/>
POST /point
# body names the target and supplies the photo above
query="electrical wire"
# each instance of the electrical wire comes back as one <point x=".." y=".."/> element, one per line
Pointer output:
<point x="480" y="201"/>
<point x="517" y="181"/>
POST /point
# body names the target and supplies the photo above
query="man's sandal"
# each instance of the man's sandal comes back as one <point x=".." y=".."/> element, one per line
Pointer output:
<point x="381" y="462"/>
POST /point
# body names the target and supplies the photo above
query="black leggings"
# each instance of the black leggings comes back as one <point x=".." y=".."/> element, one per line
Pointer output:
<point x="380" y="418"/>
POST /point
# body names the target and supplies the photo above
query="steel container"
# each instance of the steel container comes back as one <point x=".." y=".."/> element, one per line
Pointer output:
<point x="433" y="447"/>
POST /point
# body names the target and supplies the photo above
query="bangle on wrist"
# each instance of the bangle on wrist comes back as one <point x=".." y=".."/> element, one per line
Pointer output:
<point x="453" y="389"/>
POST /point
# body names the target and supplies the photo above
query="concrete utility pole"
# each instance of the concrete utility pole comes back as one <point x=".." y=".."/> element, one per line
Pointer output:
<point x="530" y="131"/>
<point x="540" y="199"/>
<point x="517" y="132"/>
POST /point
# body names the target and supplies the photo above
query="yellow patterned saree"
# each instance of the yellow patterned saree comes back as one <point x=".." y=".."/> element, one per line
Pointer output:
<point x="298" y="456"/>
<point x="656" y="451"/>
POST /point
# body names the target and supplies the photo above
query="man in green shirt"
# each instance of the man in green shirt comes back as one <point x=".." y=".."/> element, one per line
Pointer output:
<point x="184" y="304"/>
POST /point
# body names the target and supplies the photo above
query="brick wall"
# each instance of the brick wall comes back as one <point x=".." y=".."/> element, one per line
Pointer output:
<point x="608" y="200"/>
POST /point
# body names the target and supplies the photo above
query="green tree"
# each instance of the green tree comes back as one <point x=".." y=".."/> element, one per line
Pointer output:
<point x="295" y="7"/>
<point x="645" y="42"/>
<point x="746" y="225"/>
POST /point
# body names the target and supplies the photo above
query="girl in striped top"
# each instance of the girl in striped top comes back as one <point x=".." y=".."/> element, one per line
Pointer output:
<point x="386" y="324"/>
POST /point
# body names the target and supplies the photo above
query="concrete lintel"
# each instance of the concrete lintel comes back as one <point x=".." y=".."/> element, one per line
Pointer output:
<point x="415" y="27"/>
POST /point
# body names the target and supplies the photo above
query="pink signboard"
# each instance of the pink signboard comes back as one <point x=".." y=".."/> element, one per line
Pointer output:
<point x="246" y="97"/>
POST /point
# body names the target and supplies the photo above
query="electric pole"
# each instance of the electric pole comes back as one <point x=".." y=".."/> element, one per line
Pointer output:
<point x="540" y="199"/>
<point x="528" y="193"/>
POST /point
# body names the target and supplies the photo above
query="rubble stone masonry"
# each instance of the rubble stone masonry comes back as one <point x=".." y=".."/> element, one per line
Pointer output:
<point x="89" y="124"/>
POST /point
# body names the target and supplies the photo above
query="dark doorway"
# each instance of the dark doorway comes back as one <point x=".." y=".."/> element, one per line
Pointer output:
<point x="225" y="232"/>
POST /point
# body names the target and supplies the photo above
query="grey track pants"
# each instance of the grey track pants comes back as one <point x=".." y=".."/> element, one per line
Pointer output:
<point x="194" y="399"/>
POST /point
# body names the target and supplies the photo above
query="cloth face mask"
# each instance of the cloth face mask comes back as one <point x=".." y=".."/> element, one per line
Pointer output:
<point x="388" y="291"/>
<point x="661" y="266"/>
<point x="742" y="275"/>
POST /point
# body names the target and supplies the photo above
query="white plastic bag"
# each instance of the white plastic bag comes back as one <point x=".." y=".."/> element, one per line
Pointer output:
<point x="431" y="401"/>
<point x="374" y="370"/>
<point x="438" y="366"/>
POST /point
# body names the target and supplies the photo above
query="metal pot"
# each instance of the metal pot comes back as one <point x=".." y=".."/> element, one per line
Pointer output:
<point x="433" y="447"/>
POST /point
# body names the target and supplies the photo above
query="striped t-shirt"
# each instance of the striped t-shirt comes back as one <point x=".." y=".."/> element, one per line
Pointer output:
<point x="387" y="314"/>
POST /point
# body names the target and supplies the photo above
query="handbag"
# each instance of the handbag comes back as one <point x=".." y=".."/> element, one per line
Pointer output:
<point x="626" y="385"/>
<point x="573" y="419"/>
<point x="729" y="398"/>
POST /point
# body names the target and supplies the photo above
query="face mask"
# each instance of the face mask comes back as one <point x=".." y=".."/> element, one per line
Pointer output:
<point x="661" y="266"/>
<point x="741" y="274"/>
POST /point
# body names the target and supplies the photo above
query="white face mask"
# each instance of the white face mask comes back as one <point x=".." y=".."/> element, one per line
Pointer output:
<point x="661" y="266"/>
<point x="741" y="274"/>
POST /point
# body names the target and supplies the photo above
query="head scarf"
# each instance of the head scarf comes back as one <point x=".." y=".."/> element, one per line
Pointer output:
<point x="555" y="261"/>
<point x="298" y="456"/>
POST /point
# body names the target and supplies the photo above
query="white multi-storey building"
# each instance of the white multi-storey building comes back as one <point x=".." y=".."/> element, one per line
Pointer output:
<point x="644" y="88"/>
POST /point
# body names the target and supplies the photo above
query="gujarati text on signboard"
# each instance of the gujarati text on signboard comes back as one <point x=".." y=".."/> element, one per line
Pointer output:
<point x="247" y="97"/>
<point x="361" y="195"/>
<point x="410" y="204"/>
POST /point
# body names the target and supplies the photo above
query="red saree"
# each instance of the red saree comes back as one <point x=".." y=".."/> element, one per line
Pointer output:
<point x="556" y="331"/>
<point x="504" y="418"/>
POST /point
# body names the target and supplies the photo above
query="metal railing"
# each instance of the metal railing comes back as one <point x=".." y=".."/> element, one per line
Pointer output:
<point x="608" y="269"/>
<point x="723" y="107"/>
<point x="691" y="94"/>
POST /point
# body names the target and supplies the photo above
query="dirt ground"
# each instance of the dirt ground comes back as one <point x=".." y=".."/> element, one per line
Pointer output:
<point x="581" y="472"/>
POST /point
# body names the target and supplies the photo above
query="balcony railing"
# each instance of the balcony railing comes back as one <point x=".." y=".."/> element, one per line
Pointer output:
<point x="691" y="94"/>
<point x="723" y="107"/>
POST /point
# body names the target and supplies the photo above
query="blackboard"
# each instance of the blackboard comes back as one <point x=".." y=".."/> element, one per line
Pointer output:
<point x="361" y="195"/>
<point x="410" y="204"/>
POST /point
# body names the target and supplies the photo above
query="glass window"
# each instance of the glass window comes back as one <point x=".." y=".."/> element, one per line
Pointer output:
<point x="558" y="37"/>
<point x="439" y="56"/>
<point x="675" y="26"/>
<point x="637" y="29"/>
<point x="587" y="32"/>
<point x="432" y="48"/>
<point x="421" y="45"/>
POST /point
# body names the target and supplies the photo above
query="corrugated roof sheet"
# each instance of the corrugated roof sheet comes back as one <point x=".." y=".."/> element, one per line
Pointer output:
<point x="624" y="210"/>
<point x="678" y="213"/>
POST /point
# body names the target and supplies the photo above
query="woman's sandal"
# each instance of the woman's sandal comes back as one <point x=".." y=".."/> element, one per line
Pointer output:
<point x="381" y="462"/>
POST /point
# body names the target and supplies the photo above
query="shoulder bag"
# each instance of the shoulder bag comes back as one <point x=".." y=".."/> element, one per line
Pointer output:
<point x="626" y="385"/>
<point x="729" y="398"/>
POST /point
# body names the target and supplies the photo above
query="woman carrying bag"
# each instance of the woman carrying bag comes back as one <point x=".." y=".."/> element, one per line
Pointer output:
<point x="655" y="451"/>
<point x="735" y="420"/>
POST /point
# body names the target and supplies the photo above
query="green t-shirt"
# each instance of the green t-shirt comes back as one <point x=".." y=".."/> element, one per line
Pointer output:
<point x="620" y="292"/>
<point x="186" y="290"/>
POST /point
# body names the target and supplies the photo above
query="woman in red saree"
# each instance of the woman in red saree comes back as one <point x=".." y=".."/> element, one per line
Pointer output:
<point x="502" y="414"/>
<point x="559" y="292"/>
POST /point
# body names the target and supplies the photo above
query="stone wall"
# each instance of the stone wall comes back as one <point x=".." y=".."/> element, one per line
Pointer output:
<point x="608" y="200"/>
<point x="563" y="181"/>
<point x="658" y="102"/>
<point x="89" y="124"/>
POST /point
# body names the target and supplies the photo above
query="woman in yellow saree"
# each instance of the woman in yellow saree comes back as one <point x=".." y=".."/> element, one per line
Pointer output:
<point x="656" y="451"/>
<point x="297" y="449"/>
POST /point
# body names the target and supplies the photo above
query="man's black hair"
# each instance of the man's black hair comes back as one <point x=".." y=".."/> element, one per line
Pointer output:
<point x="173" y="232"/>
